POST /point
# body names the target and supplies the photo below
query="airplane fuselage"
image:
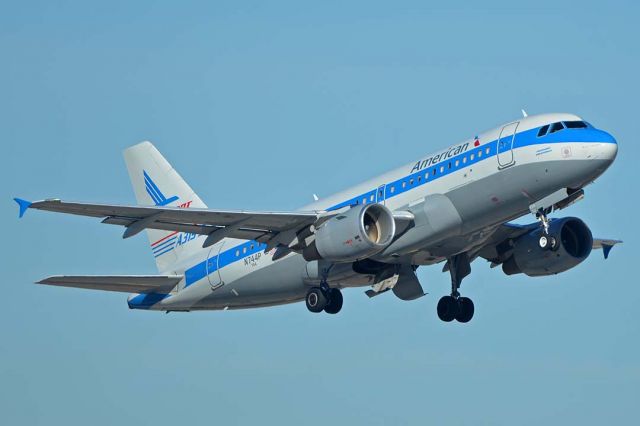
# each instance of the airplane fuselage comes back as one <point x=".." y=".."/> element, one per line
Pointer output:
<point x="473" y="186"/>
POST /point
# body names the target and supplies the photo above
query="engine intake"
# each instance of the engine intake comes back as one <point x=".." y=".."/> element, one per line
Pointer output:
<point x="573" y="245"/>
<point x="356" y="234"/>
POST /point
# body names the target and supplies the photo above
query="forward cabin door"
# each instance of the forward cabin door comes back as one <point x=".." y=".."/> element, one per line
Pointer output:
<point x="505" y="145"/>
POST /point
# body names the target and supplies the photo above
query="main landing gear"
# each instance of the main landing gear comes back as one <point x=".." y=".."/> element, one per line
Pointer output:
<point x="546" y="241"/>
<point x="454" y="306"/>
<point x="324" y="298"/>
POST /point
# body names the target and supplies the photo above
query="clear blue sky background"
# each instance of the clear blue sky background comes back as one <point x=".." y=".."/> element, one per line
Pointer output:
<point x="259" y="105"/>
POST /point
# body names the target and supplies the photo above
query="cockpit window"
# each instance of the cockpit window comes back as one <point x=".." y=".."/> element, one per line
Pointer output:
<point x="543" y="130"/>
<point x="556" y="127"/>
<point x="575" y="124"/>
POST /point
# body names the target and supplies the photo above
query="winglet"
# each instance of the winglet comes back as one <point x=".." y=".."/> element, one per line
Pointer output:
<point x="606" y="248"/>
<point x="23" y="204"/>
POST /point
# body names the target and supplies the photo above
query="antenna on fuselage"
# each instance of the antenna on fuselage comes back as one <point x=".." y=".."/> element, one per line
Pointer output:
<point x="524" y="113"/>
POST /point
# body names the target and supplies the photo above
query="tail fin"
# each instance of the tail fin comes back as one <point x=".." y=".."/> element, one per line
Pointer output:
<point x="155" y="182"/>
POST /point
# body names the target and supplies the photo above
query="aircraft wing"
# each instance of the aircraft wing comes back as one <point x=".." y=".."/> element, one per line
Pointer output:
<point x="124" y="283"/>
<point x="217" y="224"/>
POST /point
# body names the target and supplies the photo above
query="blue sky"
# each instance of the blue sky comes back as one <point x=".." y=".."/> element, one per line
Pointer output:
<point x="259" y="105"/>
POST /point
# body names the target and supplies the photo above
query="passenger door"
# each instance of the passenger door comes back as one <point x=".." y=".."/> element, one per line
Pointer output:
<point x="505" y="145"/>
<point x="213" y="261"/>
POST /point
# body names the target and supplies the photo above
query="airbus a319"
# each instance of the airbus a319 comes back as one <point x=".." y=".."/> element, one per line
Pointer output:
<point x="451" y="207"/>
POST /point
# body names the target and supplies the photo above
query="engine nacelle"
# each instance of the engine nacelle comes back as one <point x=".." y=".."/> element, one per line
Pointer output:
<point x="356" y="234"/>
<point x="573" y="245"/>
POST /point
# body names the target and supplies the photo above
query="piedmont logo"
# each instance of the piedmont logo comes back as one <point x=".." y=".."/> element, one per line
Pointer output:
<point x="168" y="242"/>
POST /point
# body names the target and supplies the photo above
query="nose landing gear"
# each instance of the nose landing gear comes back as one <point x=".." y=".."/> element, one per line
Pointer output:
<point x="454" y="306"/>
<point x="546" y="241"/>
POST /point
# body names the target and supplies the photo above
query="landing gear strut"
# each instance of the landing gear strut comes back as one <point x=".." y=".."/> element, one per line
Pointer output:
<point x="324" y="298"/>
<point x="454" y="306"/>
<point x="546" y="241"/>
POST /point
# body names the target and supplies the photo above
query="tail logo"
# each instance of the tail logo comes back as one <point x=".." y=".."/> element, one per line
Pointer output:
<point x="154" y="192"/>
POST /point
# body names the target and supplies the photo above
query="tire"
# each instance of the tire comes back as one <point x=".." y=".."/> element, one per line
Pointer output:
<point x="316" y="300"/>
<point x="465" y="310"/>
<point x="447" y="308"/>
<point x="543" y="242"/>
<point x="335" y="301"/>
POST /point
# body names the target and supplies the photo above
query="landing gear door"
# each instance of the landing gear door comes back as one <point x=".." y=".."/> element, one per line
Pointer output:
<point x="505" y="145"/>
<point x="213" y="273"/>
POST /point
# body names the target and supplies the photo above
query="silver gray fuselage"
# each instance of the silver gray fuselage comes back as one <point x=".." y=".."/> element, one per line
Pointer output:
<point x="479" y="184"/>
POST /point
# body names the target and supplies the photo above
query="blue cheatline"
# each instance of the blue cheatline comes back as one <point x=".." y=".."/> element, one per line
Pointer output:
<point x="402" y="185"/>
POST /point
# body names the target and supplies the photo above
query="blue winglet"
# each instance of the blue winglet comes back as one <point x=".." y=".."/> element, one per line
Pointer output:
<point x="606" y="248"/>
<point x="23" y="204"/>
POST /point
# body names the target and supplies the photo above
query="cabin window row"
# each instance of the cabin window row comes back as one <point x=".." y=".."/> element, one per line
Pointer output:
<point x="244" y="250"/>
<point x="440" y="169"/>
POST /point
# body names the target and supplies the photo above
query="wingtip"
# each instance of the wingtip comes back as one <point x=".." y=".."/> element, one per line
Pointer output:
<point x="606" y="249"/>
<point x="23" y="205"/>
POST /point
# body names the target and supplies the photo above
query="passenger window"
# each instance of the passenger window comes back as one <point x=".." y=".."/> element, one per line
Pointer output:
<point x="472" y="157"/>
<point x="393" y="189"/>
<point x="487" y="150"/>
<point x="371" y="198"/>
<point x="441" y="169"/>
<point x="411" y="181"/>
<point x="543" y="130"/>
<point x="434" y="171"/>
<point x="364" y="201"/>
<point x="464" y="160"/>
<point x="419" y="179"/>
<point x="457" y="163"/>
<point x="479" y="153"/>
<point x="404" y="184"/>
<point x="237" y="253"/>
<point x="575" y="124"/>
<point x="244" y="250"/>
<point x="555" y="127"/>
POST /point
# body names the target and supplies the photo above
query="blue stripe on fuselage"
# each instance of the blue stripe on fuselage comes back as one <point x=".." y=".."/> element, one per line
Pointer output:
<point x="423" y="176"/>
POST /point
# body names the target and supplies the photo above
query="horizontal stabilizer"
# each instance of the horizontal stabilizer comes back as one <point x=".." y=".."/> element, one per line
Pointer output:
<point x="123" y="283"/>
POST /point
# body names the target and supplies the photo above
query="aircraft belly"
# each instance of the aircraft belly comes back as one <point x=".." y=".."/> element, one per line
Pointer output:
<point x="507" y="194"/>
<point x="276" y="283"/>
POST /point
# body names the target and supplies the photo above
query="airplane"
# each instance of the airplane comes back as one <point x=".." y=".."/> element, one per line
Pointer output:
<point x="450" y="207"/>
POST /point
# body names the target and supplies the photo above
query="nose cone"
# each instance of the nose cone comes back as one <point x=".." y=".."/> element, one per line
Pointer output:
<point x="608" y="146"/>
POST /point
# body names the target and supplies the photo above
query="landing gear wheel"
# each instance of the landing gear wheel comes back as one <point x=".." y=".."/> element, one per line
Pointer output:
<point x="547" y="242"/>
<point x="335" y="301"/>
<point x="543" y="242"/>
<point x="447" y="308"/>
<point x="465" y="310"/>
<point x="316" y="300"/>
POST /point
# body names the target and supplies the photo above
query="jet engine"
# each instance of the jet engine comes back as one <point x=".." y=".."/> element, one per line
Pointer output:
<point x="356" y="234"/>
<point x="573" y="243"/>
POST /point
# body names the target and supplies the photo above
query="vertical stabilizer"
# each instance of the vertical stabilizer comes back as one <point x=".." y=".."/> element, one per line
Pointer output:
<point x="156" y="183"/>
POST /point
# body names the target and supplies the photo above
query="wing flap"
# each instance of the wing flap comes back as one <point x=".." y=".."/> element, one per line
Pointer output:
<point x="201" y="221"/>
<point x="122" y="283"/>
